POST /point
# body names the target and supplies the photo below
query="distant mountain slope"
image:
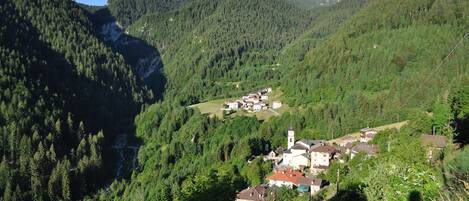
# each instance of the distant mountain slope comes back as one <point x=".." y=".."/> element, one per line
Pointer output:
<point x="327" y="20"/>
<point x="206" y="45"/>
<point x="129" y="11"/>
<point x="63" y="95"/>
<point x="388" y="58"/>
<point x="308" y="4"/>
<point x="144" y="59"/>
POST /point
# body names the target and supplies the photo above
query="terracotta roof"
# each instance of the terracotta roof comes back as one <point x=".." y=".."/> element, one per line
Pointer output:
<point x="437" y="141"/>
<point x="291" y="176"/>
<point x="258" y="193"/>
<point x="324" y="149"/>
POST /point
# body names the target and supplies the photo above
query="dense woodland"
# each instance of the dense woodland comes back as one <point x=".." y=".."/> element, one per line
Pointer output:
<point x="218" y="50"/>
<point x="65" y="93"/>
<point x="62" y="94"/>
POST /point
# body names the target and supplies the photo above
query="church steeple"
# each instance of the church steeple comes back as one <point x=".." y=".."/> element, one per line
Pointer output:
<point x="291" y="137"/>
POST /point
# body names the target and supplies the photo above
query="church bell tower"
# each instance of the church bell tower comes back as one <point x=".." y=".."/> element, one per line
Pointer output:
<point x="291" y="137"/>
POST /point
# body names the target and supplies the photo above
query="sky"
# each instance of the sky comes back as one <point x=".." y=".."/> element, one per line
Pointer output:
<point x="93" y="2"/>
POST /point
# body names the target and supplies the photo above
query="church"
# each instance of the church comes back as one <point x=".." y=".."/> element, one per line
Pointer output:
<point x="297" y="155"/>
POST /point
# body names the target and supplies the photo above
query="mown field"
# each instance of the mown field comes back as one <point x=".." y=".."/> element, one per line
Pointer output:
<point x="214" y="107"/>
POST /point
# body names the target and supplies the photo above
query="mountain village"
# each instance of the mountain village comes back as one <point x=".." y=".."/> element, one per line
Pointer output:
<point x="253" y="102"/>
<point x="299" y="166"/>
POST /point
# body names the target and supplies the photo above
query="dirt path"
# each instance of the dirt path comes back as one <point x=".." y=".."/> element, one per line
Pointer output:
<point x="379" y="128"/>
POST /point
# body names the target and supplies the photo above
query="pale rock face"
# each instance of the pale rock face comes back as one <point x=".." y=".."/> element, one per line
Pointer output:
<point x="111" y="31"/>
<point x="144" y="66"/>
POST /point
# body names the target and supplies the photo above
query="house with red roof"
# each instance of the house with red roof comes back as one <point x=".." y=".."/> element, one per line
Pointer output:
<point x="291" y="178"/>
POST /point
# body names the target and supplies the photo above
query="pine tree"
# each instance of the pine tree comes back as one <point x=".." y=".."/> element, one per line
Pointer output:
<point x="38" y="165"/>
<point x="66" y="193"/>
<point x="7" y="194"/>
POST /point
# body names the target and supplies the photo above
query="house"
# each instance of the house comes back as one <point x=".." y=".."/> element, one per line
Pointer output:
<point x="233" y="105"/>
<point x="287" y="178"/>
<point x="273" y="156"/>
<point x="257" y="107"/>
<point x="369" y="149"/>
<point x="276" y="104"/>
<point x="297" y="154"/>
<point x="258" y="193"/>
<point x="367" y="134"/>
<point x="300" y="161"/>
<point x="343" y="141"/>
<point x="321" y="157"/>
<point x="264" y="97"/>
<point x="290" y="178"/>
<point x="433" y="143"/>
<point x="316" y="185"/>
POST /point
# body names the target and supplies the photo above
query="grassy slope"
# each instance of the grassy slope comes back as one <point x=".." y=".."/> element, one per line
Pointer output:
<point x="213" y="107"/>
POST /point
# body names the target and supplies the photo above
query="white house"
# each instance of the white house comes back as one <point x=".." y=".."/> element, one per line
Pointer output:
<point x="233" y="105"/>
<point x="257" y="107"/>
<point x="264" y="97"/>
<point x="300" y="161"/>
<point x="315" y="186"/>
<point x="287" y="178"/>
<point x="367" y="134"/>
<point x="321" y="157"/>
<point x="290" y="178"/>
<point x="297" y="154"/>
<point x="276" y="104"/>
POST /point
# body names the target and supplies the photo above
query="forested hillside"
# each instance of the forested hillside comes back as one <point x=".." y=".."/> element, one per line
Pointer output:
<point x="350" y="65"/>
<point x="72" y="77"/>
<point x="62" y="95"/>
<point x="127" y="12"/>
<point x="204" y="51"/>
<point x="389" y="58"/>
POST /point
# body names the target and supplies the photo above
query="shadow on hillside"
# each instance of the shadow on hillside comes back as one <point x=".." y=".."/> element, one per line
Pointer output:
<point x="351" y="193"/>
<point x="462" y="130"/>
<point x="415" y="196"/>
<point x="144" y="58"/>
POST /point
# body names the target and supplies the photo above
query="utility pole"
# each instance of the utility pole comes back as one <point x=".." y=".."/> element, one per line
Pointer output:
<point x="389" y="142"/>
<point x="338" y="180"/>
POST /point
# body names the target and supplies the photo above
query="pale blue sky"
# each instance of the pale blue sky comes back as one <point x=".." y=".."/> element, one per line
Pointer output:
<point x="93" y="2"/>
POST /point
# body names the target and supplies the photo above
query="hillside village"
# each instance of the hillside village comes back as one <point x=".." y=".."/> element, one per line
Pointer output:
<point x="298" y="167"/>
<point x="253" y="102"/>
